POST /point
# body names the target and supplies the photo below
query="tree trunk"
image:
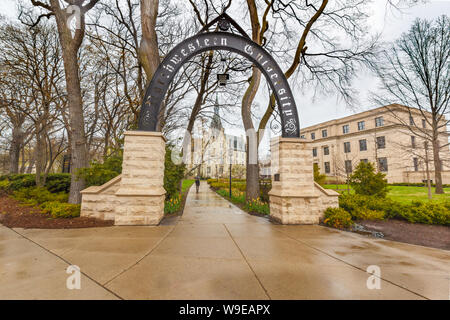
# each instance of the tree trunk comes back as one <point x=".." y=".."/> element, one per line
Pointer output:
<point x="31" y="164"/>
<point x="427" y="168"/>
<point x="252" y="175"/>
<point x="76" y="120"/>
<point x="14" y="151"/>
<point x="148" y="51"/>
<point x="437" y="167"/>
<point x="38" y="155"/>
<point x="24" y="161"/>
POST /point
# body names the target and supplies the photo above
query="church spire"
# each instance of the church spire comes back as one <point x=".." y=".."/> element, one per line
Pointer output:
<point x="216" y="122"/>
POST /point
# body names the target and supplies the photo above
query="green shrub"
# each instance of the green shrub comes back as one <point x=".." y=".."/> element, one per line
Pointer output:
<point x="38" y="195"/>
<point x="393" y="209"/>
<point x="318" y="177"/>
<point x="61" y="210"/>
<point x="173" y="175"/>
<point x="100" y="173"/>
<point x="428" y="213"/>
<point x="367" y="207"/>
<point x="4" y="185"/>
<point x="367" y="214"/>
<point x="366" y="182"/>
<point x="337" y="218"/>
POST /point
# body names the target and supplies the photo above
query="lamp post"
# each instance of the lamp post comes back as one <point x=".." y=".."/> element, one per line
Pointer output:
<point x="231" y="154"/>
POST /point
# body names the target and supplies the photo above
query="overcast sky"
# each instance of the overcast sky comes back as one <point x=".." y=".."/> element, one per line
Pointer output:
<point x="391" y="24"/>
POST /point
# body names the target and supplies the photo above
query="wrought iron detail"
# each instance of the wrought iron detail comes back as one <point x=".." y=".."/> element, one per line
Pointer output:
<point x="205" y="41"/>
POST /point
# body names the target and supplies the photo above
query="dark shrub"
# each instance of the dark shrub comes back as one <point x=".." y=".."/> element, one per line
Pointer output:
<point x="58" y="182"/>
<point x="19" y="181"/>
<point x="173" y="175"/>
<point x="366" y="182"/>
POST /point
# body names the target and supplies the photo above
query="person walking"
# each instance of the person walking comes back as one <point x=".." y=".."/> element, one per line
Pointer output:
<point x="197" y="182"/>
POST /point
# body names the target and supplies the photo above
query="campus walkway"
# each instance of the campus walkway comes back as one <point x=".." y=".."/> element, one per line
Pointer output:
<point x="216" y="251"/>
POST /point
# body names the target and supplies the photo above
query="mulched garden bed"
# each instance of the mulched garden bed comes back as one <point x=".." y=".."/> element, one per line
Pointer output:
<point x="415" y="233"/>
<point x="15" y="215"/>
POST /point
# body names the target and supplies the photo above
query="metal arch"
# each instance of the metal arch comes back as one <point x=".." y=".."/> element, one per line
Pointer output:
<point x="230" y="20"/>
<point x="201" y="42"/>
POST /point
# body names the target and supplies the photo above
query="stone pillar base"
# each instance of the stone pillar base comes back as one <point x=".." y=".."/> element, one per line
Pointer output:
<point x="136" y="197"/>
<point x="295" y="198"/>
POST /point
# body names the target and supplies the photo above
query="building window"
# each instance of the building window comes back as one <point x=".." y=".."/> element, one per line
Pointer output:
<point x="365" y="160"/>
<point x="208" y="170"/>
<point x="313" y="136"/>
<point x="324" y="133"/>
<point x="302" y="136"/>
<point x="424" y="123"/>
<point x="379" y="122"/>
<point x="345" y="129"/>
<point x="411" y="121"/>
<point x="382" y="164"/>
<point x="413" y="142"/>
<point x="381" y="142"/>
<point x="326" y="151"/>
<point x="327" y="167"/>
<point x="314" y="152"/>
<point x="347" y="147"/>
<point x="361" y="125"/>
<point x="416" y="164"/>
<point x="348" y="166"/>
<point x="363" y="145"/>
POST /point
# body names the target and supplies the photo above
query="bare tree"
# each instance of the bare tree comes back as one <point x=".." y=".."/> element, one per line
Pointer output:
<point x="318" y="59"/>
<point x="70" y="45"/>
<point x="414" y="72"/>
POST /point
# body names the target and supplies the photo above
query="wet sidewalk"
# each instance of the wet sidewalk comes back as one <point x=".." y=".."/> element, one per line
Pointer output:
<point x="217" y="251"/>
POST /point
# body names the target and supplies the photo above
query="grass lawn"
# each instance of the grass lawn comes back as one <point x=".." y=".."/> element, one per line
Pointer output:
<point x="403" y="194"/>
<point x="407" y="194"/>
<point x="186" y="184"/>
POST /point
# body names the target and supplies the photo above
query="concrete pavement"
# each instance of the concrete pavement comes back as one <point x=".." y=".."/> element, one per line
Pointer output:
<point x="216" y="251"/>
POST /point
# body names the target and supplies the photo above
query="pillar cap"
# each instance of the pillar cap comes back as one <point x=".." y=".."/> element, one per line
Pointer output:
<point x="138" y="133"/>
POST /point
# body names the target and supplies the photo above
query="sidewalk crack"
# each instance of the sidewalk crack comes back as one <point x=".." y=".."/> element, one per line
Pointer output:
<point x="68" y="263"/>
<point x="248" y="263"/>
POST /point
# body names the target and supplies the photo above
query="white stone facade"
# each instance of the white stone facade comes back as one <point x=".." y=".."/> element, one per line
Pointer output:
<point x="295" y="198"/>
<point x="136" y="197"/>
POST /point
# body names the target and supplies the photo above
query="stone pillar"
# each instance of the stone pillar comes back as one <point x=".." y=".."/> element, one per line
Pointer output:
<point x="140" y="196"/>
<point x="295" y="198"/>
